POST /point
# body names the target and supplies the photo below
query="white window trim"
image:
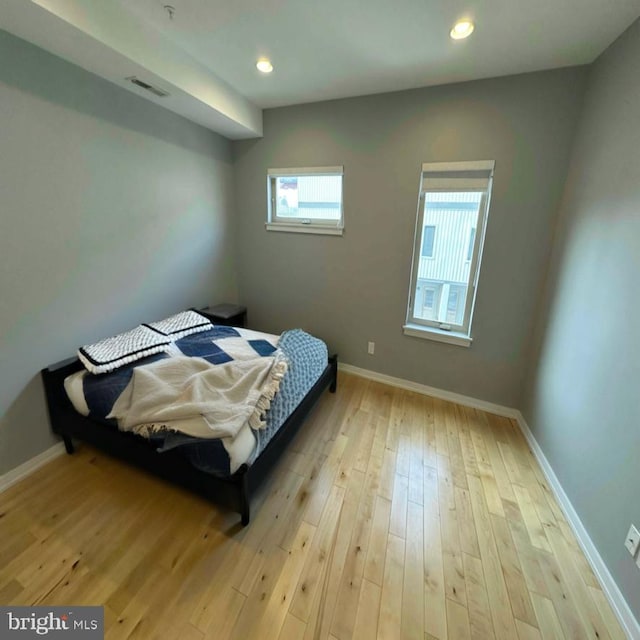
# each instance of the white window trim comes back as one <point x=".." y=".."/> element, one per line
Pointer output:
<point x="310" y="226"/>
<point x="301" y="227"/>
<point x="428" y="329"/>
<point x="439" y="335"/>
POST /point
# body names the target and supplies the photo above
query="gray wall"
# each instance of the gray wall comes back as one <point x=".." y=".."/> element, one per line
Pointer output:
<point x="112" y="211"/>
<point x="353" y="289"/>
<point x="583" y="390"/>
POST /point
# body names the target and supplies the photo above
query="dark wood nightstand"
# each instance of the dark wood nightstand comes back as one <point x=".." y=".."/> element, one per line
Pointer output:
<point x="230" y="315"/>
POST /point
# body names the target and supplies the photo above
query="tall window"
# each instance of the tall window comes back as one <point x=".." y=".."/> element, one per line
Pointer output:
<point x="454" y="198"/>
<point x="306" y="200"/>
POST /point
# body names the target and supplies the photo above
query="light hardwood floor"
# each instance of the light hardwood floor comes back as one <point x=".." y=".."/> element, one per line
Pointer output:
<point x="392" y="515"/>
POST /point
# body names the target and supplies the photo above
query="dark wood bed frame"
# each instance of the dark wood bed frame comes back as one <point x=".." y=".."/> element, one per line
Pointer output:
<point x="233" y="492"/>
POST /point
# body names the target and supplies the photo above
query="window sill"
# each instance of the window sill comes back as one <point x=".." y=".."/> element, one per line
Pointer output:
<point x="304" y="228"/>
<point x="439" y="335"/>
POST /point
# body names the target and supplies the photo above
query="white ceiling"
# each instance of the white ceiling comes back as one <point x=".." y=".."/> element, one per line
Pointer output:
<point x="205" y="55"/>
<point x="338" y="48"/>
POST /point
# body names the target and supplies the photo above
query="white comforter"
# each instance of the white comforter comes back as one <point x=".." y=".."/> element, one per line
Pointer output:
<point x="197" y="398"/>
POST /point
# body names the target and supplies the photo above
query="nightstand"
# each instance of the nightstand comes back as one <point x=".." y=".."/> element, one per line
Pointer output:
<point x="230" y="315"/>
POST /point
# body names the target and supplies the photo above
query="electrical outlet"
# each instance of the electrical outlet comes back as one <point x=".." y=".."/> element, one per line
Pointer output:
<point x="371" y="348"/>
<point x="633" y="540"/>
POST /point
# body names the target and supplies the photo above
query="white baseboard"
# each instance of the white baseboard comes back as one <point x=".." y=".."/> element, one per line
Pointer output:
<point x="424" y="389"/>
<point x="610" y="588"/>
<point x="27" y="468"/>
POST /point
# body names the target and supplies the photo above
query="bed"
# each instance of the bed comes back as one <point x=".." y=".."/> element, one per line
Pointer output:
<point x="226" y="470"/>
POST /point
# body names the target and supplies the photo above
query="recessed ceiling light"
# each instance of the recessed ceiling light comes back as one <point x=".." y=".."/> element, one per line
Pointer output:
<point x="264" y="65"/>
<point x="462" y="29"/>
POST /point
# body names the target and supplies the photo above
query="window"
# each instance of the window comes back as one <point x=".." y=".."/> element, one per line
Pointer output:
<point x="428" y="237"/>
<point x="452" y="306"/>
<point x="305" y="200"/>
<point x="428" y="296"/>
<point x="454" y="197"/>
<point x="472" y="239"/>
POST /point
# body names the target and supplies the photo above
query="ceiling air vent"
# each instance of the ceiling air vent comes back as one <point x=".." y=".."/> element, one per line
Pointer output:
<point x="161" y="93"/>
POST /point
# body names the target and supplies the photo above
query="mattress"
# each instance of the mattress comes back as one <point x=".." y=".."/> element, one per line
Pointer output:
<point x="95" y="395"/>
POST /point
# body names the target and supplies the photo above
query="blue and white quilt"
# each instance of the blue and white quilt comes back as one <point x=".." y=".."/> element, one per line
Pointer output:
<point x="96" y="395"/>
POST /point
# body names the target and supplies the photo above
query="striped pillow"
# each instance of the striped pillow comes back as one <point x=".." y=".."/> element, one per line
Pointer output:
<point x="111" y="353"/>
<point x="181" y="324"/>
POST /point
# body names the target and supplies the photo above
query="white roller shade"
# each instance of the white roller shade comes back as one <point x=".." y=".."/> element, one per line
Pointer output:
<point x="471" y="176"/>
<point x="306" y="171"/>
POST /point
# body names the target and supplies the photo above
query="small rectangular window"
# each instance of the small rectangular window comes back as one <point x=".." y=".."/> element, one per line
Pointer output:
<point x="429" y="298"/>
<point x="306" y="200"/>
<point x="454" y="197"/>
<point x="428" y="239"/>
